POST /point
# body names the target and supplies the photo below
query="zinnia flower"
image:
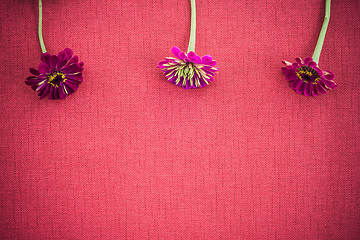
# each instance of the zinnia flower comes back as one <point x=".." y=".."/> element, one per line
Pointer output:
<point x="307" y="78"/>
<point x="188" y="70"/>
<point x="57" y="76"/>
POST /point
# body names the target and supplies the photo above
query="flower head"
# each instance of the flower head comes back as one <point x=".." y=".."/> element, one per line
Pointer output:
<point x="188" y="70"/>
<point x="57" y="76"/>
<point x="307" y="78"/>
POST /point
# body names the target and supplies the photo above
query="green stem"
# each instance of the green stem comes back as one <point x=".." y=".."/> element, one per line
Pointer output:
<point x="40" y="29"/>
<point x="193" y="27"/>
<point x="324" y="27"/>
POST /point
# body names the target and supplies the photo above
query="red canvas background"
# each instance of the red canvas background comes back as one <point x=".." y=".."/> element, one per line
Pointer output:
<point x="130" y="155"/>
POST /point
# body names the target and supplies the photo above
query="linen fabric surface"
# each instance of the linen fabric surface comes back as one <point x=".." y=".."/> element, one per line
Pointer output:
<point x="129" y="155"/>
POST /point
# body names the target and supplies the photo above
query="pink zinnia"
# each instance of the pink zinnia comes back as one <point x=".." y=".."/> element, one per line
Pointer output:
<point x="188" y="70"/>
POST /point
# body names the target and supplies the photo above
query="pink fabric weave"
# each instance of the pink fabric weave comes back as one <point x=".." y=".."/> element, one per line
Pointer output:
<point x="131" y="156"/>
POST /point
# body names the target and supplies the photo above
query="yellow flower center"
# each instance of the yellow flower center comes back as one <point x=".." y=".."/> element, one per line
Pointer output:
<point x="55" y="78"/>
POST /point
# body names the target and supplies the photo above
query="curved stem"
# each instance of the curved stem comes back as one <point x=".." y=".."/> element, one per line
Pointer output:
<point x="321" y="38"/>
<point x="43" y="49"/>
<point x="193" y="27"/>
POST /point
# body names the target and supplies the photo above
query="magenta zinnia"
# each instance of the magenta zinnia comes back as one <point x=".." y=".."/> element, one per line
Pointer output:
<point x="307" y="78"/>
<point x="57" y="76"/>
<point x="188" y="70"/>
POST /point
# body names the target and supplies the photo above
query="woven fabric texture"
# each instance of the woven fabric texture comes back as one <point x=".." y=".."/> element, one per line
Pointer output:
<point x="132" y="156"/>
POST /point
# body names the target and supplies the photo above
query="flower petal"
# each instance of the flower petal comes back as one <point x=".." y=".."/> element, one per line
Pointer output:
<point x="312" y="64"/>
<point x="175" y="50"/>
<point x="45" y="91"/>
<point x="71" y="69"/>
<point x="291" y="77"/>
<point x="34" y="71"/>
<point x="44" y="68"/>
<point x="328" y="75"/>
<point x="44" y="57"/>
<point x="321" y="89"/>
<point x="286" y="63"/>
<point x="182" y="56"/>
<point x="74" y="59"/>
<point x="62" y="93"/>
<point x="319" y="71"/>
<point x="53" y="60"/>
<point x="193" y="57"/>
<point x="308" y="89"/>
<point x="315" y="90"/>
<point x="206" y="59"/>
<point x="301" y="87"/>
<point x="294" y="84"/>
<point x="68" y="53"/>
<point x="307" y="60"/>
<point x="328" y="84"/>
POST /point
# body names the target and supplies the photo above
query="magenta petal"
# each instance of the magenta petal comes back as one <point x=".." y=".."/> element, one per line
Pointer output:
<point x="71" y="85"/>
<point x="51" y="92"/>
<point x="296" y="65"/>
<point x="286" y="63"/>
<point x="71" y="69"/>
<point x="75" y="59"/>
<point x="68" y="53"/>
<point x="312" y="64"/>
<point x="206" y="59"/>
<point x="34" y="71"/>
<point x="328" y="75"/>
<point x="301" y="87"/>
<point x="315" y="90"/>
<point x="329" y="84"/>
<point x="321" y="89"/>
<point x="175" y="50"/>
<point x="294" y="84"/>
<point x="319" y="71"/>
<point x="193" y="57"/>
<point x="307" y="60"/>
<point x="308" y="89"/>
<point x="212" y="63"/>
<point x="44" y="92"/>
<point x="53" y="60"/>
<point x="285" y="70"/>
<point x="44" y="68"/>
<point x="62" y="93"/>
<point x="61" y="64"/>
<point x="291" y="77"/>
<point x="44" y="57"/>
<point x="61" y="55"/>
<point x="56" y="93"/>
<point x="182" y="55"/>
<point x="299" y="61"/>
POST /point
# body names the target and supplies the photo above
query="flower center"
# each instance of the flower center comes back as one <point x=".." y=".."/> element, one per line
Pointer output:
<point x="55" y="78"/>
<point x="308" y="74"/>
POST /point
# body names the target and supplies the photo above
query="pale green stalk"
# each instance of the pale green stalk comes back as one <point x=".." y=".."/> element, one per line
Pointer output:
<point x="324" y="27"/>
<point x="40" y="29"/>
<point x="193" y="27"/>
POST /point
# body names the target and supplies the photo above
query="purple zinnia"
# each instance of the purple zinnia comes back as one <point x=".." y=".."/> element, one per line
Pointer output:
<point x="188" y="70"/>
<point x="307" y="78"/>
<point x="57" y="76"/>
